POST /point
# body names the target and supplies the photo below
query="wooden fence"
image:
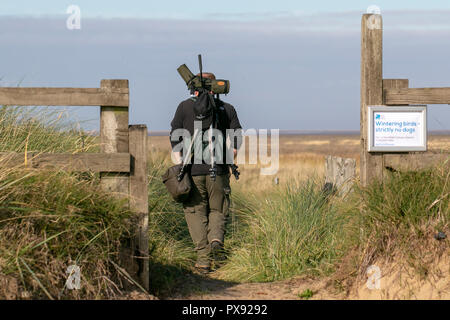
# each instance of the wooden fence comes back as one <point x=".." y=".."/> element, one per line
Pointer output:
<point x="122" y="162"/>
<point x="339" y="172"/>
<point x="378" y="91"/>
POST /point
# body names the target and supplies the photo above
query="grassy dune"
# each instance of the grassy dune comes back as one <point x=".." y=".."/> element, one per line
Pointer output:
<point x="50" y="220"/>
<point x="290" y="229"/>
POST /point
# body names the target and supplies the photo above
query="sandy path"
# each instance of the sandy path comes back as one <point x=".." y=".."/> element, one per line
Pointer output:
<point x="398" y="281"/>
<point x="197" y="287"/>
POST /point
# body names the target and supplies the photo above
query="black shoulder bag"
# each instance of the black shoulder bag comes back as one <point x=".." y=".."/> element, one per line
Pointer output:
<point x="177" y="180"/>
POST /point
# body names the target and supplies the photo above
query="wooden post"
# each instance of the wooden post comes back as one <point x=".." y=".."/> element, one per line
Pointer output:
<point x="139" y="198"/>
<point x="114" y="139"/>
<point x="371" y="166"/>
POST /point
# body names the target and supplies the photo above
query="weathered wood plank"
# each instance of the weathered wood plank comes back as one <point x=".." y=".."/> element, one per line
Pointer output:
<point x="404" y="162"/>
<point x="14" y="159"/>
<point x="118" y="97"/>
<point x="139" y="197"/>
<point x="399" y="96"/>
<point x="395" y="83"/>
<point x="114" y="139"/>
<point x="371" y="90"/>
<point x="94" y="162"/>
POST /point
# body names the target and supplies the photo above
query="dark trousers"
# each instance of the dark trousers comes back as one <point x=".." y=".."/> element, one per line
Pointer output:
<point x="206" y="213"/>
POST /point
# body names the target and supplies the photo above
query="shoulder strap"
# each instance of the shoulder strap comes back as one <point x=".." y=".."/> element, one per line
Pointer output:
<point x="220" y="113"/>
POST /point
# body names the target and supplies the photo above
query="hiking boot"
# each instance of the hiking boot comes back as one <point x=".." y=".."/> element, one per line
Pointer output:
<point x="202" y="269"/>
<point x="217" y="251"/>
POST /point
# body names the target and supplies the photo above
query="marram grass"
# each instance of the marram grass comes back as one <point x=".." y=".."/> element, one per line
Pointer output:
<point x="50" y="220"/>
<point x="294" y="232"/>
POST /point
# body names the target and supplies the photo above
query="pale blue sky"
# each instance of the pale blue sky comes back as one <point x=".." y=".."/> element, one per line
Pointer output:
<point x="199" y="9"/>
<point x="293" y="65"/>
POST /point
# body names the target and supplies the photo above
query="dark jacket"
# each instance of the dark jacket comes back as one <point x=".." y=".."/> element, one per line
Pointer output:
<point x="227" y="119"/>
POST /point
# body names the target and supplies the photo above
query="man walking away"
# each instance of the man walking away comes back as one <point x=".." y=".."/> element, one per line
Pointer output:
<point x="206" y="210"/>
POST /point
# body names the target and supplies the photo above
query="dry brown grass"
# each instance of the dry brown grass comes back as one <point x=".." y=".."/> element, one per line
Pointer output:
<point x="301" y="156"/>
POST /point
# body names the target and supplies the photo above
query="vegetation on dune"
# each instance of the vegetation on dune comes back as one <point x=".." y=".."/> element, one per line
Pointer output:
<point x="171" y="249"/>
<point x="401" y="216"/>
<point x="41" y="130"/>
<point x="298" y="231"/>
<point x="295" y="231"/>
<point x="50" y="220"/>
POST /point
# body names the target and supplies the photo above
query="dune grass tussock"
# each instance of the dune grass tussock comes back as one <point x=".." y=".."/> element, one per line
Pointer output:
<point x="41" y="130"/>
<point x="51" y="220"/>
<point x="171" y="249"/>
<point x="299" y="231"/>
<point x="401" y="214"/>
<point x="296" y="231"/>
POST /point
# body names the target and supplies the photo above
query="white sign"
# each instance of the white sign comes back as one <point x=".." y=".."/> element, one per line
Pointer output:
<point x="397" y="128"/>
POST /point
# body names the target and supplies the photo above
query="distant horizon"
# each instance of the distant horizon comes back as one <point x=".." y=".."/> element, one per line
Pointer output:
<point x="306" y="132"/>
